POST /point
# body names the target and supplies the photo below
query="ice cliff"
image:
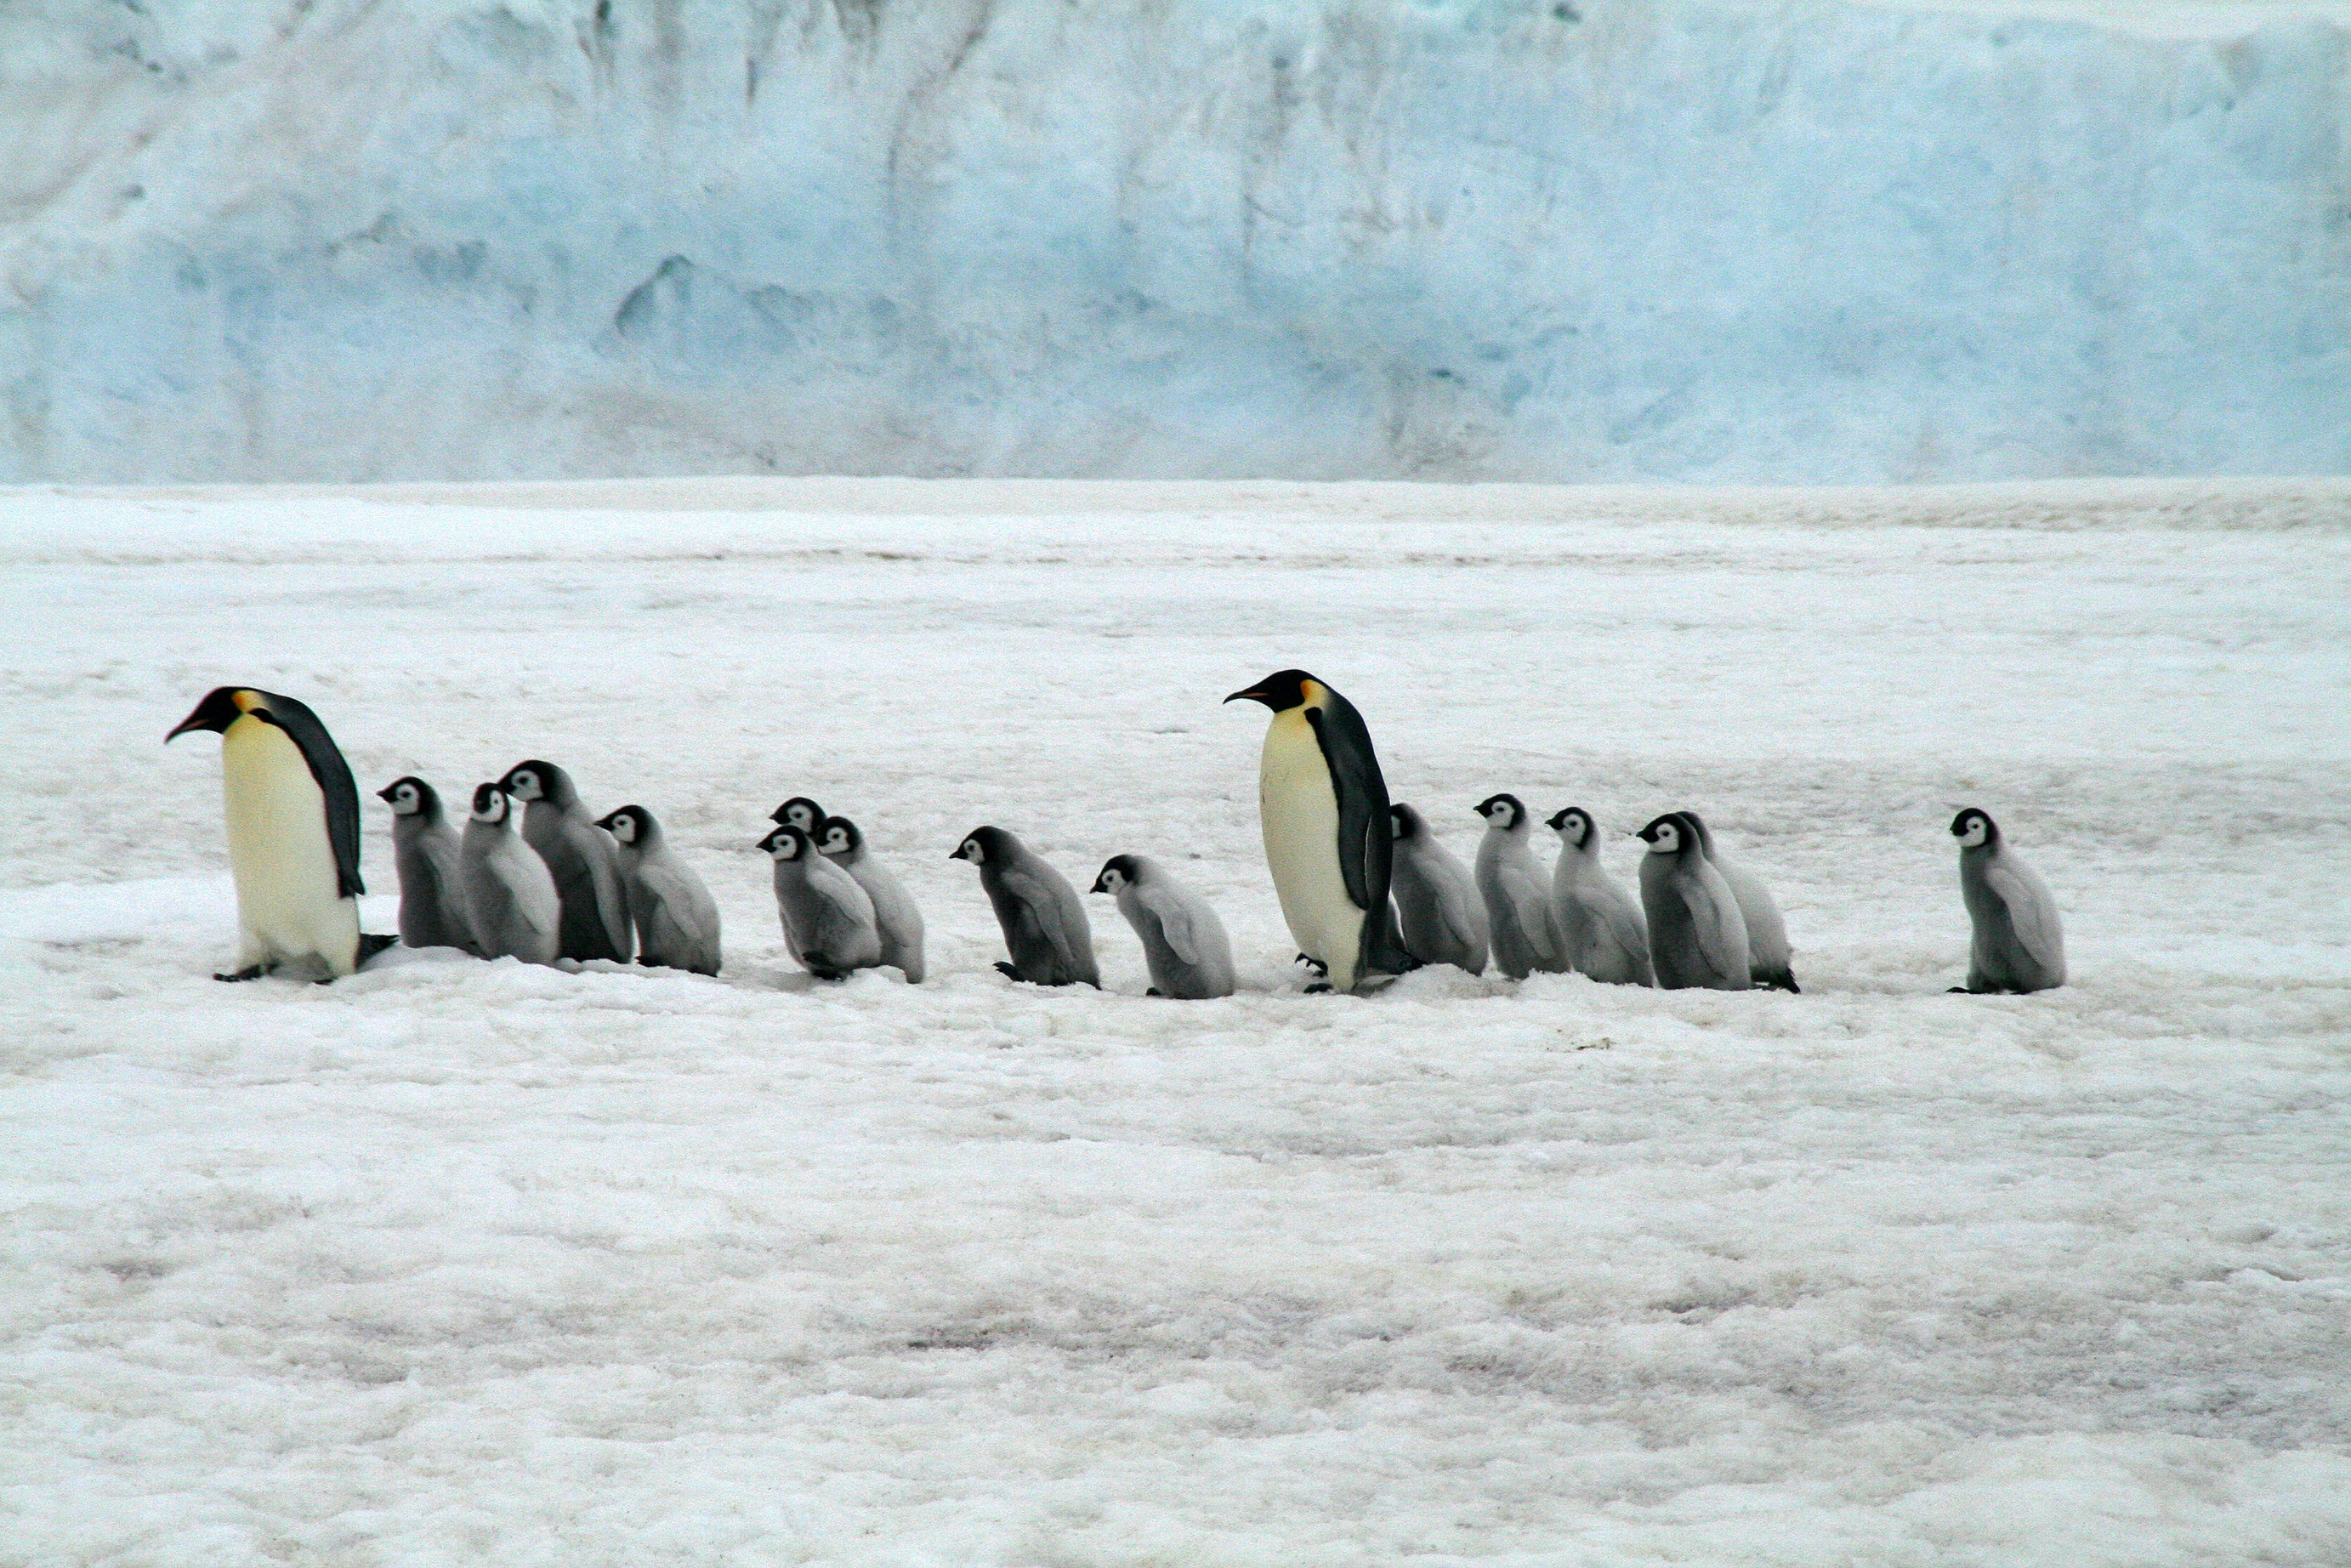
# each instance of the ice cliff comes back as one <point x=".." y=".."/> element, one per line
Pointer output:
<point x="1703" y="239"/>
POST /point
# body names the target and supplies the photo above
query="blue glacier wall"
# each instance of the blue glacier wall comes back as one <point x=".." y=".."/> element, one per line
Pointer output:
<point x="1605" y="239"/>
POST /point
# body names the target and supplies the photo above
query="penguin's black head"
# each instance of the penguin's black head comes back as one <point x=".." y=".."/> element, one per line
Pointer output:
<point x="801" y="812"/>
<point x="491" y="803"/>
<point x="536" y="780"/>
<point x="412" y="797"/>
<point x="1116" y="872"/>
<point x="982" y="845"/>
<point x="1974" y="828"/>
<point x="789" y="843"/>
<point x="840" y="836"/>
<point x="1504" y="812"/>
<point x="1669" y="834"/>
<point x="1281" y="691"/>
<point x="1573" y="824"/>
<point x="630" y="824"/>
<point x="1403" y="822"/>
<point x="222" y="706"/>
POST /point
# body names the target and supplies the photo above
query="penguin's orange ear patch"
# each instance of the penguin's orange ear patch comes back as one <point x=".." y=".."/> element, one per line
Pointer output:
<point x="245" y="701"/>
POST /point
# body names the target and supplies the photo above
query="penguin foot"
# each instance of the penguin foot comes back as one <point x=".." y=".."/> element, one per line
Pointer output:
<point x="250" y="972"/>
<point x="1782" y="983"/>
<point x="1319" y="988"/>
<point x="1010" y="971"/>
<point x="1154" y="991"/>
<point x="370" y="944"/>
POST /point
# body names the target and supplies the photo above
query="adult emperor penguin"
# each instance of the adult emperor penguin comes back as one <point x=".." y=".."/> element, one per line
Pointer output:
<point x="800" y="813"/>
<point x="1602" y="927"/>
<point x="1517" y="892"/>
<point x="1045" y="926"/>
<point x="1438" y="907"/>
<point x="2018" y="944"/>
<point x="1696" y="935"/>
<point x="510" y="897"/>
<point x="425" y="849"/>
<point x="828" y="918"/>
<point x="582" y="857"/>
<point x="1768" y="953"/>
<point x="293" y="834"/>
<point x="894" y="914"/>
<point x="1184" y="943"/>
<point x="1324" y="808"/>
<point x="676" y="921"/>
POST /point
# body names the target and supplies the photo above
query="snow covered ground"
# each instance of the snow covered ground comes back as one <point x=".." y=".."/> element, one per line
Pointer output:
<point x="460" y="1263"/>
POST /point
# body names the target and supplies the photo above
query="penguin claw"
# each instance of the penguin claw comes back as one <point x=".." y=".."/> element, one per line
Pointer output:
<point x="1009" y="971"/>
<point x="251" y="972"/>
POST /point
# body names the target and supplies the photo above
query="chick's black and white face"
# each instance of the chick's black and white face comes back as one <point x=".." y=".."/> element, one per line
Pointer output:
<point x="524" y="785"/>
<point x="970" y="850"/>
<point x="801" y="814"/>
<point x="1112" y="880"/>
<point x="1665" y="838"/>
<point x="836" y="841"/>
<point x="490" y="804"/>
<point x="1971" y="830"/>
<point x="624" y="826"/>
<point x="1575" y="827"/>
<point x="1501" y="811"/>
<point x="405" y="801"/>
<point x="783" y="845"/>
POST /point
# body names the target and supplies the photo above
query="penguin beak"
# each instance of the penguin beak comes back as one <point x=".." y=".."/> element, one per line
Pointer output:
<point x="1253" y="694"/>
<point x="1098" y="886"/>
<point x="383" y="794"/>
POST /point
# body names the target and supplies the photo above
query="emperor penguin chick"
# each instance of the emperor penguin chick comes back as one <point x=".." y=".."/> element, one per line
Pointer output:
<point x="293" y="818"/>
<point x="426" y="850"/>
<point x="828" y="918"/>
<point x="1517" y="892"/>
<point x="1184" y="942"/>
<point x="582" y="857"/>
<point x="1601" y="927"/>
<point x="676" y="921"/>
<point x="1697" y="937"/>
<point x="894" y="914"/>
<point x="1045" y="926"/>
<point x="800" y="813"/>
<point x="510" y="898"/>
<point x="1323" y="806"/>
<point x="2018" y="944"/>
<point x="1438" y="907"/>
<point x="1768" y="953"/>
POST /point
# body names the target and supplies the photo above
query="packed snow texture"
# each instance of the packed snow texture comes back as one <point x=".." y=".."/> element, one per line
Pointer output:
<point x="1605" y="239"/>
<point x="456" y="1262"/>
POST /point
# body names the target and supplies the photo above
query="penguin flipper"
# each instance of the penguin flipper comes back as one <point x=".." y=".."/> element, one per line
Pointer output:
<point x="370" y="944"/>
<point x="333" y="776"/>
<point x="1714" y="917"/>
<point x="1032" y="897"/>
<point x="2030" y="912"/>
<point x="1366" y="846"/>
<point x="1175" y="922"/>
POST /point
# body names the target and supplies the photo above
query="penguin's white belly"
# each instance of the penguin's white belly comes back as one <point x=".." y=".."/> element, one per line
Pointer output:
<point x="1299" y="811"/>
<point x="289" y="900"/>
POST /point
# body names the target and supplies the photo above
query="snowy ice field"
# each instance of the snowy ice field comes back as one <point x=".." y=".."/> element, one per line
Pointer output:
<point x="465" y="1263"/>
